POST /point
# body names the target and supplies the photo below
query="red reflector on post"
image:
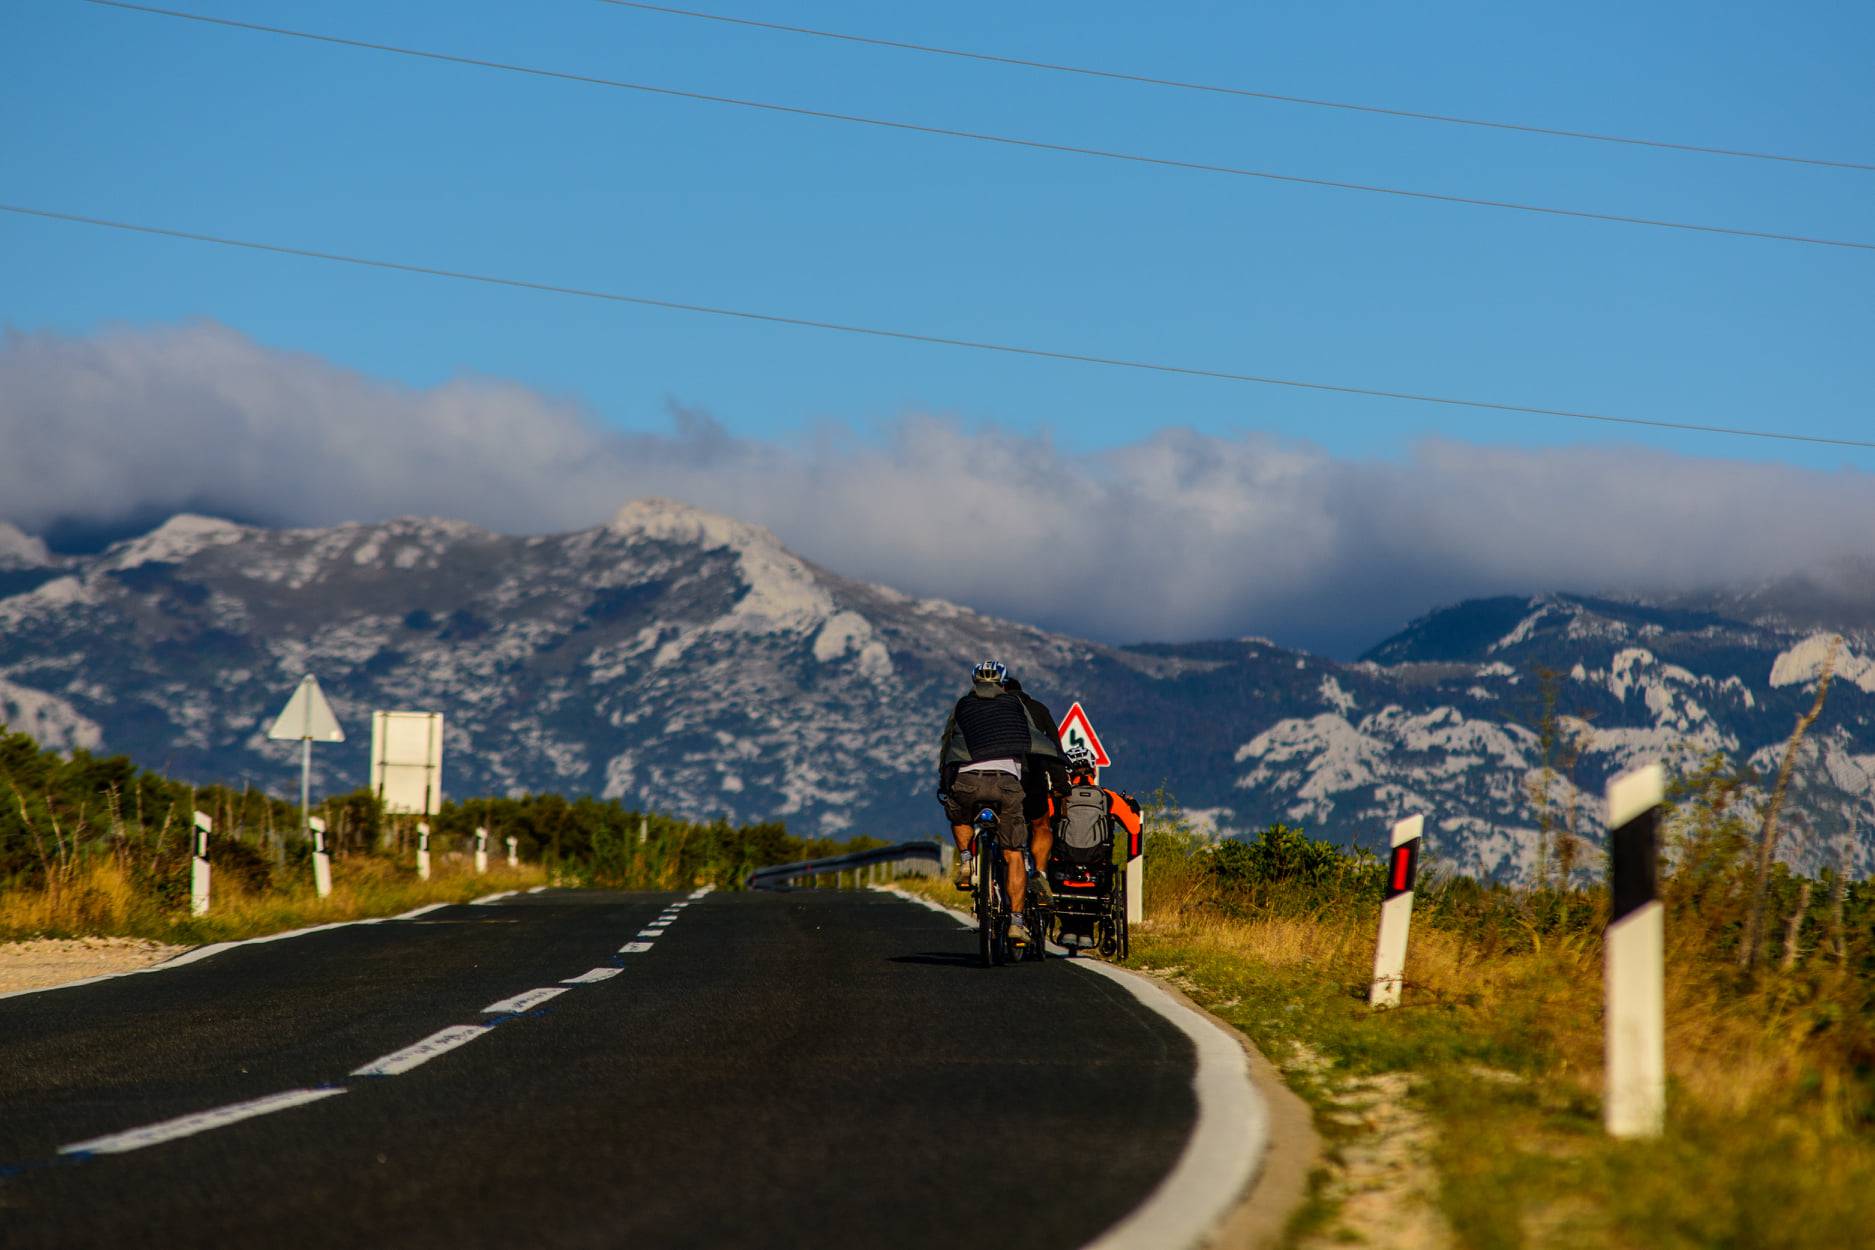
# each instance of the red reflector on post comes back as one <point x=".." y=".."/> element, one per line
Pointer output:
<point x="1402" y="864"/>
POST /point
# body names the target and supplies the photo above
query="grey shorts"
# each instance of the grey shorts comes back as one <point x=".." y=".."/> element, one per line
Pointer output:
<point x="974" y="791"/>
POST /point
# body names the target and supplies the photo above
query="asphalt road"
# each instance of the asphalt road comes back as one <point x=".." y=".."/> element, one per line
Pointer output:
<point x="799" y="1069"/>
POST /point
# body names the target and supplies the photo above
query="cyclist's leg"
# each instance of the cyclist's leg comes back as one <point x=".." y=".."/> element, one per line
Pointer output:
<point x="1012" y="835"/>
<point x="958" y="810"/>
<point x="1041" y="842"/>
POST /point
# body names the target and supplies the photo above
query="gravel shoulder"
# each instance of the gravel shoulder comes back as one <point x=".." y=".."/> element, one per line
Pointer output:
<point x="42" y="962"/>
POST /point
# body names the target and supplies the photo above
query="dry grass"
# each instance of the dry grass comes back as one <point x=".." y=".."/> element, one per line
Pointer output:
<point x="102" y="898"/>
<point x="1499" y="1048"/>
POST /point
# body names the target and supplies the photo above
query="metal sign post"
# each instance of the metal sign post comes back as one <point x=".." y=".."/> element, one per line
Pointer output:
<point x="321" y="858"/>
<point x="198" y="867"/>
<point x="308" y="717"/>
<point x="481" y="850"/>
<point x="1396" y="914"/>
<point x="423" y="850"/>
<point x="1076" y="730"/>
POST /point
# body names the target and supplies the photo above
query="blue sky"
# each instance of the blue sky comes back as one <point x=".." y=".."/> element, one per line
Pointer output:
<point x="118" y="114"/>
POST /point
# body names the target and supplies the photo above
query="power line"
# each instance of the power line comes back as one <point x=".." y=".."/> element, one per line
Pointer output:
<point x="984" y="137"/>
<point x="1248" y="93"/>
<point x="910" y="336"/>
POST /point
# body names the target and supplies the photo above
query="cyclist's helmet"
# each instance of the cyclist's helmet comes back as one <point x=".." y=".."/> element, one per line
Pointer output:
<point x="1079" y="758"/>
<point x="991" y="670"/>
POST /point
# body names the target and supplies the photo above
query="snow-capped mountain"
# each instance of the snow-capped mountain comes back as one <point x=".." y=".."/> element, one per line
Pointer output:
<point x="689" y="661"/>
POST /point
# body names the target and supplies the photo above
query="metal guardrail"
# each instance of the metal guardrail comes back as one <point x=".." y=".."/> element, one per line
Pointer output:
<point x="918" y="857"/>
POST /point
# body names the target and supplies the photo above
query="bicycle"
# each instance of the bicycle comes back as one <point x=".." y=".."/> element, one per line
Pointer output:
<point x="992" y="902"/>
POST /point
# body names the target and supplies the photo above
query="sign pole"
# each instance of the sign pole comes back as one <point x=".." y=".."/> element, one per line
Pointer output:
<point x="305" y="786"/>
<point x="307" y="716"/>
<point x="1396" y="914"/>
<point x="1634" y="1101"/>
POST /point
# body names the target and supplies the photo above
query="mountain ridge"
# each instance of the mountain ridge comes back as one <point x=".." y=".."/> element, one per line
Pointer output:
<point x="690" y="661"/>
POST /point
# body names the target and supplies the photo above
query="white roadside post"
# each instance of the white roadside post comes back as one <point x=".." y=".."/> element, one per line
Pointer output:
<point x="1136" y="887"/>
<point x="321" y="858"/>
<point x="513" y="862"/>
<point x="306" y="717"/>
<point x="1634" y="1102"/>
<point x="198" y="866"/>
<point x="481" y="850"/>
<point x="423" y="850"/>
<point x="644" y="829"/>
<point x="1396" y="913"/>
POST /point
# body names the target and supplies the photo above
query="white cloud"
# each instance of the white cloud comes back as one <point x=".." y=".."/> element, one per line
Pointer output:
<point x="1178" y="536"/>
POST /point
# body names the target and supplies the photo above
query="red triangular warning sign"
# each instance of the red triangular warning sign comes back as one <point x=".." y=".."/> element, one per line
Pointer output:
<point x="1076" y="728"/>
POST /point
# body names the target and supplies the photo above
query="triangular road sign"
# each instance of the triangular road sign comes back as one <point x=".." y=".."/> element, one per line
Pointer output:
<point x="307" y="715"/>
<point x="1076" y="728"/>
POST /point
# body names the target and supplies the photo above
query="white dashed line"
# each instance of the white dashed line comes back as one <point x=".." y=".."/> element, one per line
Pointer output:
<point x="493" y="898"/>
<point x="199" y="1122"/>
<point x="593" y="977"/>
<point x="536" y="889"/>
<point x="527" y="1000"/>
<point x="634" y="948"/>
<point x="435" y="1044"/>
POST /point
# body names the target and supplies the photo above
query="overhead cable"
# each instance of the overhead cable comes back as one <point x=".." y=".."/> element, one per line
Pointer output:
<point x="911" y="336"/>
<point x="984" y="137"/>
<point x="1246" y="92"/>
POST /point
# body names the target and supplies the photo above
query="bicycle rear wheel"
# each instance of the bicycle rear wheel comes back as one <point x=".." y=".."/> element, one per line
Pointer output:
<point x="1121" y="939"/>
<point x="985" y="908"/>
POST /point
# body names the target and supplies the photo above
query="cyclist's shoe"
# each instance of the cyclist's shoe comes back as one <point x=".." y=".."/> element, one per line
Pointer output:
<point x="960" y="875"/>
<point x="1038" y="881"/>
<point x="1018" y="932"/>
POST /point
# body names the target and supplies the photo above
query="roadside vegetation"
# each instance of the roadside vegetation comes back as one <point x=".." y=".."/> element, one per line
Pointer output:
<point x="93" y="846"/>
<point x="1471" y="1115"/>
<point x="1490" y="1073"/>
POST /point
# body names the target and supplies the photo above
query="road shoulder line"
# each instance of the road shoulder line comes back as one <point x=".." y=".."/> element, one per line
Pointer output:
<point x="1219" y="1173"/>
<point x="215" y="948"/>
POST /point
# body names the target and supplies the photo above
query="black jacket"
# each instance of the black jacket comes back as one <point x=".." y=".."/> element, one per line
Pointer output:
<point x="1043" y="768"/>
<point x="1008" y="726"/>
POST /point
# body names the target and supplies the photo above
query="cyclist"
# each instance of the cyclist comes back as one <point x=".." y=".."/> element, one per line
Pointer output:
<point x="1088" y="815"/>
<point x="1041" y="786"/>
<point x="990" y="743"/>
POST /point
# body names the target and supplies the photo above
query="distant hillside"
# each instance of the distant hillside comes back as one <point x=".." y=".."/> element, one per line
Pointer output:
<point x="689" y="662"/>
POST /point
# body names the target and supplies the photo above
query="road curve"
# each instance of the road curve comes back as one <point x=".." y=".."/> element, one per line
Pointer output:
<point x="579" y="1068"/>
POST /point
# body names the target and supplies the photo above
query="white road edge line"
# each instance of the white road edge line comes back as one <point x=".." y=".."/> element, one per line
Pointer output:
<point x="439" y="1043"/>
<point x="593" y="977"/>
<point x="198" y="1122"/>
<point x="526" y="1000"/>
<point x="1225" y="1150"/>
<point x="215" y="948"/>
<point x="486" y="899"/>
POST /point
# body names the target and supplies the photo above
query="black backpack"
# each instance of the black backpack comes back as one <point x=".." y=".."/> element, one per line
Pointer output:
<point x="1084" y="832"/>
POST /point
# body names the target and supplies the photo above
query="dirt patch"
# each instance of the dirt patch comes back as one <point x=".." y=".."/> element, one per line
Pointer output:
<point x="1378" y="1180"/>
<point x="44" y="962"/>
